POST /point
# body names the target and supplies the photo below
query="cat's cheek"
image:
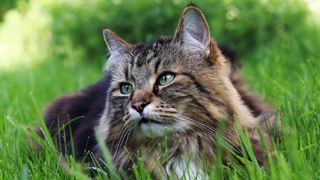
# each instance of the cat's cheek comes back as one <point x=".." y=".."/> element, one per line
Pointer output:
<point x="117" y="106"/>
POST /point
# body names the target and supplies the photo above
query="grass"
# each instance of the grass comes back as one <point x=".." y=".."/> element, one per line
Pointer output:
<point x="286" y="72"/>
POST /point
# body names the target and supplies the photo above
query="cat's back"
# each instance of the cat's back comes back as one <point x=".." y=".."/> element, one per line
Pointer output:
<point x="71" y="119"/>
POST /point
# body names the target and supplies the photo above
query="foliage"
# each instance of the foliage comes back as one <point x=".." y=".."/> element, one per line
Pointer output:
<point x="72" y="30"/>
<point x="6" y="5"/>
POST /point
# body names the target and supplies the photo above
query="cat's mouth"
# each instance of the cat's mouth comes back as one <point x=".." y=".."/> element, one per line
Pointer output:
<point x="148" y="121"/>
<point x="153" y="128"/>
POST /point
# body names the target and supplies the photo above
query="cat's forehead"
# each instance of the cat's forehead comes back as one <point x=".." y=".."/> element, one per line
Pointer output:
<point x="145" y="54"/>
<point x="145" y="63"/>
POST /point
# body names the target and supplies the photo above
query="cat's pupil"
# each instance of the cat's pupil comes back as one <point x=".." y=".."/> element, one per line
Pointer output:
<point x="126" y="88"/>
<point x="165" y="78"/>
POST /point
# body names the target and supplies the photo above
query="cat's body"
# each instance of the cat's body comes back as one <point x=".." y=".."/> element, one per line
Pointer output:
<point x="173" y="93"/>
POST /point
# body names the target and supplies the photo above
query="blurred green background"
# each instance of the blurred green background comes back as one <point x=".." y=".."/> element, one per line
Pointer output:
<point x="50" y="47"/>
<point x="70" y="30"/>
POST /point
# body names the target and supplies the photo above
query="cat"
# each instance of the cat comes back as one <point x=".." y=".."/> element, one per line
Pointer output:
<point x="174" y="92"/>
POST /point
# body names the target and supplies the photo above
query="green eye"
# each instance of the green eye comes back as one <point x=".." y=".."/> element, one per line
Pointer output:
<point x="126" y="88"/>
<point x="166" y="78"/>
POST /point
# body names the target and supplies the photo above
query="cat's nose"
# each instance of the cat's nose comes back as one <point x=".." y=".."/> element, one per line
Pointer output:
<point x="139" y="106"/>
<point x="140" y="100"/>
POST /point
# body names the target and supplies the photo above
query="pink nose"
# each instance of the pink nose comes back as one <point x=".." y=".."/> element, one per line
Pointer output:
<point x="140" y="100"/>
<point x="139" y="106"/>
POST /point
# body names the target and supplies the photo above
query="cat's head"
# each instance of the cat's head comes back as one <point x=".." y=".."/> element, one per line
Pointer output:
<point x="174" y="85"/>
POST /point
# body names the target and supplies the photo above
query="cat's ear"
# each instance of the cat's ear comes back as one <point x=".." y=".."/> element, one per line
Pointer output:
<point x="193" y="30"/>
<point x="118" y="48"/>
<point x="115" y="43"/>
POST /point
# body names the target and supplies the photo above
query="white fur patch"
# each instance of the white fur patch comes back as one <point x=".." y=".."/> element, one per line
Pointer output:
<point x="182" y="169"/>
<point x="134" y="114"/>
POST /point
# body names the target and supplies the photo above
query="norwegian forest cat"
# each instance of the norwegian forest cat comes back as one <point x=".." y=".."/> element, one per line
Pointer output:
<point x="173" y="93"/>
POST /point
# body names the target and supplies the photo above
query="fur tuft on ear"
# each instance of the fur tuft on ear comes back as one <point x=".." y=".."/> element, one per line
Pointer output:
<point x="193" y="30"/>
<point x="116" y="45"/>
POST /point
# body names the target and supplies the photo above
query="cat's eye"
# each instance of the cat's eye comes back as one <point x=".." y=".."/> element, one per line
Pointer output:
<point x="126" y="88"/>
<point x="165" y="78"/>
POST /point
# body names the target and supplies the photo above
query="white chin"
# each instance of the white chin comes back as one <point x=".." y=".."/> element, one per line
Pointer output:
<point x="153" y="130"/>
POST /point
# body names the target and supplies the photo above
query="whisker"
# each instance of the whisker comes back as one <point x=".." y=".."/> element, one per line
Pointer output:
<point x="165" y="111"/>
<point x="126" y="130"/>
<point x="127" y="136"/>
<point x="209" y="129"/>
<point x="161" y="116"/>
<point x="125" y="118"/>
<point x="123" y="132"/>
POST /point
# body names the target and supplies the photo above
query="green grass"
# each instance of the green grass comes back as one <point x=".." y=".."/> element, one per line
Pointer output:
<point x="286" y="72"/>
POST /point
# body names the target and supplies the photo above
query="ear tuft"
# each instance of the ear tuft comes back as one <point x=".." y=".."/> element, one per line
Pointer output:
<point x="193" y="30"/>
<point x="118" y="48"/>
<point x="115" y="43"/>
